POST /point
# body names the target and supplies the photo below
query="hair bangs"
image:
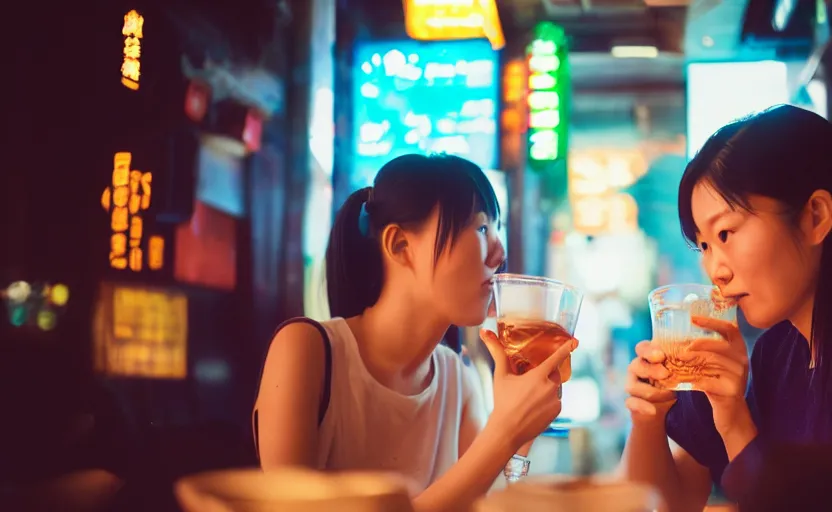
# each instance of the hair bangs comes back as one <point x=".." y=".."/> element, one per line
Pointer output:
<point x="465" y="192"/>
<point x="710" y="166"/>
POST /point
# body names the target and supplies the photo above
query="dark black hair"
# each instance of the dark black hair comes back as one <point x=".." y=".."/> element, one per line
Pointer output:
<point x="782" y="153"/>
<point x="404" y="192"/>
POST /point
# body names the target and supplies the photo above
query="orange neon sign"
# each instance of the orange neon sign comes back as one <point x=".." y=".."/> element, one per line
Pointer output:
<point x="133" y="32"/>
<point x="125" y="199"/>
<point x="454" y="19"/>
<point x="155" y="252"/>
<point x="141" y="332"/>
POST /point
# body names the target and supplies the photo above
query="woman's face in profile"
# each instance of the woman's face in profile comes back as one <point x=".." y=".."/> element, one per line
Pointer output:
<point x="756" y="257"/>
<point x="458" y="283"/>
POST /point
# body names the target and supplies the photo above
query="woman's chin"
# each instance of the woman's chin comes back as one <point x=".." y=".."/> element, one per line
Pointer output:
<point x="473" y="321"/>
<point x="759" y="321"/>
<point x="474" y="318"/>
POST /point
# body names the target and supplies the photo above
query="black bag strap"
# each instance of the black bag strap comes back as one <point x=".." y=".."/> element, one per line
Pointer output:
<point x="324" y="405"/>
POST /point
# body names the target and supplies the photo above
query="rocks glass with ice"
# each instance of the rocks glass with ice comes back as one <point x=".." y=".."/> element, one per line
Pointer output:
<point x="671" y="309"/>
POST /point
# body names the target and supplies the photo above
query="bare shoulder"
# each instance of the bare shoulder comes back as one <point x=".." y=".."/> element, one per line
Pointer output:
<point x="296" y="353"/>
<point x="286" y="414"/>
<point x="296" y="339"/>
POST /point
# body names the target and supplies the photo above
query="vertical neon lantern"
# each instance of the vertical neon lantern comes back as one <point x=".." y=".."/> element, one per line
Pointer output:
<point x="133" y="32"/>
<point x="548" y="96"/>
<point x="125" y="200"/>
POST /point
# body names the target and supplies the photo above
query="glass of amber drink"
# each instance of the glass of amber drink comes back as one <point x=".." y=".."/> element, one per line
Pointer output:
<point x="535" y="316"/>
<point x="671" y="309"/>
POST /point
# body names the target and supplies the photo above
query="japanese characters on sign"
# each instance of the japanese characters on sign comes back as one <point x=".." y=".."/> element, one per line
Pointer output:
<point x="132" y="30"/>
<point x="126" y="199"/>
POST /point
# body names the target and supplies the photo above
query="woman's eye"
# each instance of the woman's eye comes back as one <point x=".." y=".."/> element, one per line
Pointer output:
<point x="723" y="236"/>
<point x="483" y="229"/>
<point x="703" y="246"/>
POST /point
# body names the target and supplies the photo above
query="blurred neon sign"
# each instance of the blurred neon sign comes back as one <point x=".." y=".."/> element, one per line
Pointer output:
<point x="431" y="20"/>
<point x="548" y="88"/>
<point x="596" y="181"/>
<point x="133" y="32"/>
<point x="513" y="114"/>
<point x="155" y="252"/>
<point x="141" y="332"/>
<point x="125" y="199"/>
<point x="38" y="303"/>
<point x="417" y="97"/>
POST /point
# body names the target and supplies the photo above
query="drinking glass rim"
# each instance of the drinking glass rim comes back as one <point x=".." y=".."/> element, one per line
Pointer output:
<point x="680" y="285"/>
<point x="527" y="279"/>
<point x="652" y="295"/>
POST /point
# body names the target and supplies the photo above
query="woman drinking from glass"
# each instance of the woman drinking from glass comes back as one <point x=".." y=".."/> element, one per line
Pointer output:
<point x="756" y="203"/>
<point x="373" y="388"/>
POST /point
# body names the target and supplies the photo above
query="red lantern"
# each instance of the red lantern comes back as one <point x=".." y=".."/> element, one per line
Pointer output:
<point x="196" y="101"/>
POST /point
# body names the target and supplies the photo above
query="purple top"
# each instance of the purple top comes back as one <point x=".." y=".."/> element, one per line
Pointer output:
<point x="784" y="401"/>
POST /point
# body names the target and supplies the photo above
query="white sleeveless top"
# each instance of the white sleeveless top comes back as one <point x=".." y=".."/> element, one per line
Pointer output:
<point x="369" y="426"/>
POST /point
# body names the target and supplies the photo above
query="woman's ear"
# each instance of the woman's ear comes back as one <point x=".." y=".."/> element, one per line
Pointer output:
<point x="395" y="246"/>
<point x="816" y="221"/>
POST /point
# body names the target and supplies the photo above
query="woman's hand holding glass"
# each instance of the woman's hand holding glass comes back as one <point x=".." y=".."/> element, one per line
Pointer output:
<point x="525" y="404"/>
<point x="646" y="401"/>
<point x="724" y="376"/>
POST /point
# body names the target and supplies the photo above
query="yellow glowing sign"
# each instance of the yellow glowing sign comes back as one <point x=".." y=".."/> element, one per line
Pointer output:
<point x="612" y="213"/>
<point x="141" y="332"/>
<point x="593" y="172"/>
<point x="133" y="32"/>
<point x="454" y="19"/>
<point x="125" y="200"/>
<point x="596" y="180"/>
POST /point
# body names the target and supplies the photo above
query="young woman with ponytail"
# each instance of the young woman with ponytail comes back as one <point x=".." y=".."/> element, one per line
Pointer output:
<point x="373" y="388"/>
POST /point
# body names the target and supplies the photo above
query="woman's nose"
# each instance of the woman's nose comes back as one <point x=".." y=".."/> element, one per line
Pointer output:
<point x="496" y="255"/>
<point x="720" y="274"/>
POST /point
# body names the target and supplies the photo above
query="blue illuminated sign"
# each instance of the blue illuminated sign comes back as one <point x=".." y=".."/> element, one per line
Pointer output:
<point x="423" y="97"/>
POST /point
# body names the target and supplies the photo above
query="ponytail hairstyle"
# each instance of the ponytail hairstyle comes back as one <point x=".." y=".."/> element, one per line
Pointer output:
<point x="783" y="154"/>
<point x="404" y="192"/>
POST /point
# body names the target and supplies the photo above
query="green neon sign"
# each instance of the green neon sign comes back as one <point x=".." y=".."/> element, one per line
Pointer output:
<point x="548" y="89"/>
